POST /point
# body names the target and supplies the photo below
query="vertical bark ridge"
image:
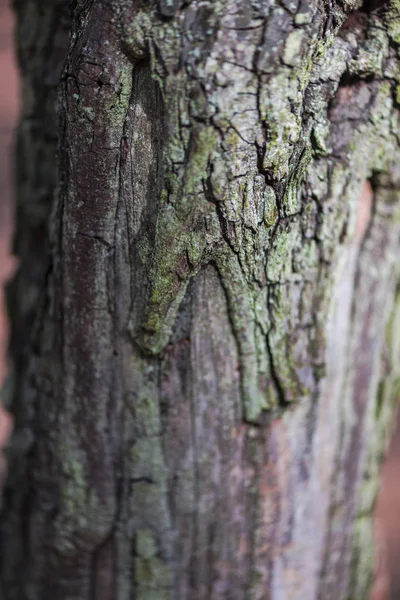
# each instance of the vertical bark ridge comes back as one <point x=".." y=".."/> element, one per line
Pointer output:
<point x="42" y="32"/>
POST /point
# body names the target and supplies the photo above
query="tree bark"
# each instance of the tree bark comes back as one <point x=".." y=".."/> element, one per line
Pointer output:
<point x="206" y="349"/>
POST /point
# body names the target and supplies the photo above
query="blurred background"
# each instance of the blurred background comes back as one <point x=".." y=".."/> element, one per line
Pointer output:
<point x="9" y="106"/>
<point x="388" y="505"/>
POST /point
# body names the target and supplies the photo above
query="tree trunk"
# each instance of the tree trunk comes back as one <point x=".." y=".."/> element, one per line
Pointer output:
<point x="205" y="350"/>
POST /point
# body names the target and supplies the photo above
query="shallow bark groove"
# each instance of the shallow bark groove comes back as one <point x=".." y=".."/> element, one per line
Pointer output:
<point x="210" y="382"/>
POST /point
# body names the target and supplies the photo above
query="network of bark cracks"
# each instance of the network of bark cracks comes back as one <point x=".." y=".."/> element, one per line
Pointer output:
<point x="202" y="380"/>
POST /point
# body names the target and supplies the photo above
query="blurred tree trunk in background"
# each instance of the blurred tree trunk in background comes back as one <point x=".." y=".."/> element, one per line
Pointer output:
<point x="204" y="337"/>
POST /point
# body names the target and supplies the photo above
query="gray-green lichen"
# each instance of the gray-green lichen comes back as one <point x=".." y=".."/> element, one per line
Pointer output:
<point x="236" y="160"/>
<point x="150" y="517"/>
<point x="151" y="573"/>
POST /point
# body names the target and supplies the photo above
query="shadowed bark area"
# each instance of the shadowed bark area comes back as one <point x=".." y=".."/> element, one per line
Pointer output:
<point x="204" y="397"/>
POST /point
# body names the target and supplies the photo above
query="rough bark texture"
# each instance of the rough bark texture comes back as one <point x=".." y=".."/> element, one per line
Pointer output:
<point x="206" y="358"/>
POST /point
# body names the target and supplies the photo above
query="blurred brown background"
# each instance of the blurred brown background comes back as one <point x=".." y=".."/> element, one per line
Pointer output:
<point x="388" y="507"/>
<point x="9" y="104"/>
